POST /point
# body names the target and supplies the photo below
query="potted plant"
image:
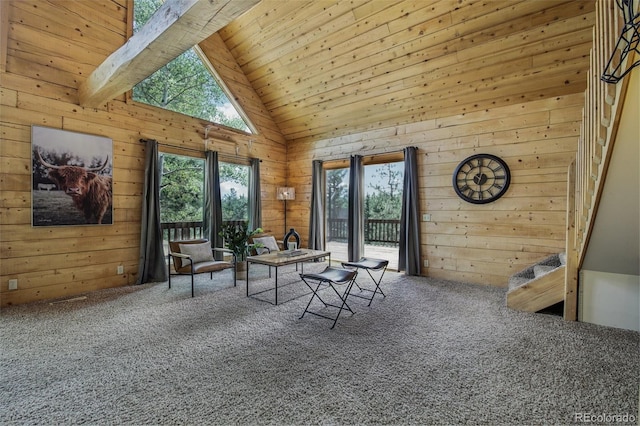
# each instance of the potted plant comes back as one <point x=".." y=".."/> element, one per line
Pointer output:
<point x="236" y="239"/>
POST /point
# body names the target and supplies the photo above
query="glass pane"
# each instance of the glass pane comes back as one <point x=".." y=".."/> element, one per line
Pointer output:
<point x="337" y="204"/>
<point x="234" y="189"/>
<point x="181" y="188"/>
<point x="184" y="85"/>
<point x="383" y="205"/>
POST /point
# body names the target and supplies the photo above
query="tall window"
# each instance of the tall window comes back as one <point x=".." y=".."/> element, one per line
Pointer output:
<point x="383" y="203"/>
<point x="186" y="84"/>
<point x="337" y="204"/>
<point x="234" y="189"/>
<point x="181" y="187"/>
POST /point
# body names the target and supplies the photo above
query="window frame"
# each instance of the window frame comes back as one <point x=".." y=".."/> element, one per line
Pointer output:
<point x="193" y="155"/>
<point x="238" y="162"/>
<point x="253" y="130"/>
<point x="368" y="160"/>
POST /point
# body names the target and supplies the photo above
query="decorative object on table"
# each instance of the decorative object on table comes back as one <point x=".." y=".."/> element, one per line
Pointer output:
<point x="236" y="238"/>
<point x="291" y="253"/>
<point x="71" y="178"/>
<point x="285" y="193"/>
<point x="481" y="178"/>
<point x="291" y="234"/>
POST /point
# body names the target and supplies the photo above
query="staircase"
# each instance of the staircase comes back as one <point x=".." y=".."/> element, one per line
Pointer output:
<point x="555" y="279"/>
<point x="539" y="286"/>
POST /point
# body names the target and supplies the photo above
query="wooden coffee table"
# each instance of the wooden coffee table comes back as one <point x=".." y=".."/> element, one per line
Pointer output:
<point x="281" y="258"/>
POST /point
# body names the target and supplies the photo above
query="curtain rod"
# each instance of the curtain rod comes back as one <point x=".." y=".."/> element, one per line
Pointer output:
<point x="194" y="149"/>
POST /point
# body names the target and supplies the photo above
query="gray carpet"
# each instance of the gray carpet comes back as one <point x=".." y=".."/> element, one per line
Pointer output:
<point x="431" y="352"/>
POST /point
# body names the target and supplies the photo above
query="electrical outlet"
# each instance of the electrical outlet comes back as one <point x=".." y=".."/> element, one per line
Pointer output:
<point x="13" y="284"/>
<point x="120" y="270"/>
<point x="426" y="217"/>
<point x="426" y="263"/>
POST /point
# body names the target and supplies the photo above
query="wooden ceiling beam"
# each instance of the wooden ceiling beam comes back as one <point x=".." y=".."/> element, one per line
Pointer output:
<point x="177" y="26"/>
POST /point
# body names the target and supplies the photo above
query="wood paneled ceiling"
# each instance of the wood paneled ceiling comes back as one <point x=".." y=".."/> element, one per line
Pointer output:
<point x="329" y="68"/>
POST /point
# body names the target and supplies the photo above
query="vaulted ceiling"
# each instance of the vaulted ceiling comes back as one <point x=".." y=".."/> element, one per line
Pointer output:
<point x="328" y="68"/>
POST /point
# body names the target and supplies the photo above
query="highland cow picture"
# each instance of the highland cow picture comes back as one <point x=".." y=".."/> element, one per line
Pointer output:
<point x="71" y="178"/>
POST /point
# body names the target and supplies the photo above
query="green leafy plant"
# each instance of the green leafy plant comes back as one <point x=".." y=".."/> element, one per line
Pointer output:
<point x="236" y="239"/>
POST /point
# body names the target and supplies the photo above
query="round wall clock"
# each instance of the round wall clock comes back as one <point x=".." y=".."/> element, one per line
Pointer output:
<point x="481" y="178"/>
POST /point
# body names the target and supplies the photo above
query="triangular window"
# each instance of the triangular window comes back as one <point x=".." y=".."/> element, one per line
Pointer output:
<point x="187" y="84"/>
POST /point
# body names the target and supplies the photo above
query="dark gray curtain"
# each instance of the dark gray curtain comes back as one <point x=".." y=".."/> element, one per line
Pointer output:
<point x="316" y="221"/>
<point x="355" y="220"/>
<point x="151" y="265"/>
<point x="212" y="215"/>
<point x="409" y="253"/>
<point x="255" y="202"/>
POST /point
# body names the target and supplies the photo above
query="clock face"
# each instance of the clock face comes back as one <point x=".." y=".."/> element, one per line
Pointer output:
<point x="481" y="178"/>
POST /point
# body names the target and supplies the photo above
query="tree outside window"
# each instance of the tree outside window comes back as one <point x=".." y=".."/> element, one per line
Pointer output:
<point x="182" y="187"/>
<point x="337" y="193"/>
<point x="234" y="189"/>
<point x="383" y="184"/>
<point x="382" y="201"/>
<point x="184" y="85"/>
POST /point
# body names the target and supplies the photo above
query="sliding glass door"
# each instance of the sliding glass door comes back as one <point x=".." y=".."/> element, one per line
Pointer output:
<point x="382" y="209"/>
<point x="336" y="210"/>
<point x="382" y="201"/>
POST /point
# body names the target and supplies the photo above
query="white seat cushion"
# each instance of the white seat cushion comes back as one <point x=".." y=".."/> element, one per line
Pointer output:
<point x="269" y="244"/>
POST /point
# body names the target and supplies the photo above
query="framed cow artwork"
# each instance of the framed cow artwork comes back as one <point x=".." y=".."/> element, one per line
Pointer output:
<point x="71" y="178"/>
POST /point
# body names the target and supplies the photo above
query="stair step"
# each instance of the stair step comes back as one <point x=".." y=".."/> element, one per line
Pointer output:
<point x="543" y="267"/>
<point x="540" y="270"/>
<point x="539" y="293"/>
<point x="538" y="286"/>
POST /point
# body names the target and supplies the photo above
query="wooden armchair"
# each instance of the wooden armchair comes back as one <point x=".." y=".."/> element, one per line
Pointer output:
<point x="190" y="257"/>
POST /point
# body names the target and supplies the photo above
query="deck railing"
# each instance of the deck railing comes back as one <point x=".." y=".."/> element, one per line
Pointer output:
<point x="376" y="231"/>
<point x="384" y="232"/>
<point x="187" y="230"/>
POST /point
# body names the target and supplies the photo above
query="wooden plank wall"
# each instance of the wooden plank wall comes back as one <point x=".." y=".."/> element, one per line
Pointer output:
<point x="46" y="59"/>
<point x="345" y="66"/>
<point x="482" y="244"/>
